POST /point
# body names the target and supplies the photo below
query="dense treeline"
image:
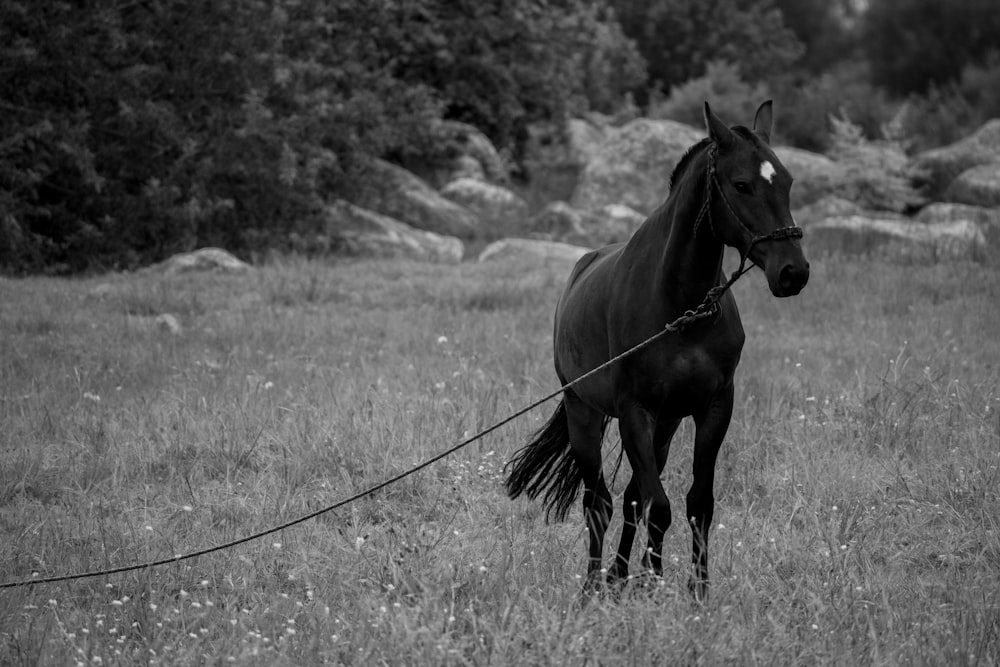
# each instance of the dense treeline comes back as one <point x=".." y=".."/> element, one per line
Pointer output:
<point x="132" y="129"/>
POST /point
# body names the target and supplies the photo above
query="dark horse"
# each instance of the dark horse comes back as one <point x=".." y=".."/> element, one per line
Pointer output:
<point x="622" y="294"/>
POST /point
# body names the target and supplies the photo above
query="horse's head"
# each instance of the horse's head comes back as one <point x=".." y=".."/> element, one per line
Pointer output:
<point x="750" y="201"/>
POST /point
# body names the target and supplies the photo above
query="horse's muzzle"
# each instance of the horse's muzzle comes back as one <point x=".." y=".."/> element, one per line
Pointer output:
<point x="791" y="279"/>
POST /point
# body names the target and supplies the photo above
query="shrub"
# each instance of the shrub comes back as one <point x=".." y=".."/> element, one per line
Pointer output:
<point x="732" y="98"/>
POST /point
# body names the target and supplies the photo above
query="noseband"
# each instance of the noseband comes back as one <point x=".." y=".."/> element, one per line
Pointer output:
<point x="781" y="234"/>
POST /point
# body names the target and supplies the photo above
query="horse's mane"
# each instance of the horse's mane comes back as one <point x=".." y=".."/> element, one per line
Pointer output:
<point x="697" y="148"/>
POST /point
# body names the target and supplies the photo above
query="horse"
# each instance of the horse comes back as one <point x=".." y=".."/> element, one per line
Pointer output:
<point x="620" y="295"/>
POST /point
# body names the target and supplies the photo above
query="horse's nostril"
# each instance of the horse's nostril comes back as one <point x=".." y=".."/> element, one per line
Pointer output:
<point x="792" y="276"/>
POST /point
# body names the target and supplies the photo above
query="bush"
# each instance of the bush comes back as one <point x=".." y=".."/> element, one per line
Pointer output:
<point x="952" y="111"/>
<point x="812" y="102"/>
<point x="731" y="98"/>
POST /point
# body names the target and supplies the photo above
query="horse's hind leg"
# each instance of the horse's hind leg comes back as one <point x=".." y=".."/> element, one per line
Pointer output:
<point x="632" y="507"/>
<point x="710" y="429"/>
<point x="586" y="430"/>
<point x="638" y="436"/>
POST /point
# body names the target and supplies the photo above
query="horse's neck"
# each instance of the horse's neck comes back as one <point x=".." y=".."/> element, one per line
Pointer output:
<point x="685" y="250"/>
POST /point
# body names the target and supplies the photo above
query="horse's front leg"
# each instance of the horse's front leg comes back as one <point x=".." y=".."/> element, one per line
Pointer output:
<point x="710" y="429"/>
<point x="636" y="426"/>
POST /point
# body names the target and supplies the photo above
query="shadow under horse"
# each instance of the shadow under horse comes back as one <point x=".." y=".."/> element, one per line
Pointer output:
<point x="729" y="189"/>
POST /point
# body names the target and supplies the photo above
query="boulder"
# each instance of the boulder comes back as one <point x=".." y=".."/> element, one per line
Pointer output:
<point x="942" y="165"/>
<point x="978" y="186"/>
<point x="400" y="194"/>
<point x="356" y="231"/>
<point x="633" y="165"/>
<point x="896" y="238"/>
<point x="557" y="220"/>
<point x="816" y="176"/>
<point x="203" y="259"/>
<point x="462" y="151"/>
<point x="987" y="219"/>
<point x="612" y="223"/>
<point x="496" y="207"/>
<point x="828" y="206"/>
<point x="543" y="251"/>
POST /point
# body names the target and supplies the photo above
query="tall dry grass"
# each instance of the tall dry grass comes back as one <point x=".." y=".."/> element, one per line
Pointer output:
<point x="857" y="491"/>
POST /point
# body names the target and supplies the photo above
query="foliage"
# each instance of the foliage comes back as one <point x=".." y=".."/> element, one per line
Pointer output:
<point x="949" y="112"/>
<point x="813" y="99"/>
<point x="877" y="173"/>
<point x="732" y="99"/>
<point x="826" y="29"/>
<point x="679" y="38"/>
<point x="915" y="44"/>
<point x="134" y="130"/>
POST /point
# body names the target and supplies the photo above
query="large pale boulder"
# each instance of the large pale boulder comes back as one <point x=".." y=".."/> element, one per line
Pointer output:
<point x="987" y="219"/>
<point x="556" y="220"/>
<point x="896" y="238"/>
<point x="633" y="165"/>
<point x="941" y="166"/>
<point x="356" y="231"/>
<point x="816" y="176"/>
<point x="542" y="251"/>
<point x="559" y="221"/>
<point x="203" y="259"/>
<point x="400" y="194"/>
<point x="496" y="207"/>
<point x="978" y="186"/>
<point x="829" y="206"/>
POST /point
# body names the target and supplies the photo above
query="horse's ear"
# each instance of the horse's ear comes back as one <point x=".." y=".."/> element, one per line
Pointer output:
<point x="717" y="130"/>
<point x="762" y="122"/>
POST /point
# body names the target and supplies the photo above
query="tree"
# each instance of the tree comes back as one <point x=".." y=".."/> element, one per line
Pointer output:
<point x="915" y="44"/>
<point x="678" y="38"/>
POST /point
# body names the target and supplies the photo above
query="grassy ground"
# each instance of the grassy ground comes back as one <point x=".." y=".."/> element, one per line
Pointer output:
<point x="858" y="497"/>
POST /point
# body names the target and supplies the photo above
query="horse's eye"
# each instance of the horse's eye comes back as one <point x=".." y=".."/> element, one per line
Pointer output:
<point x="742" y="187"/>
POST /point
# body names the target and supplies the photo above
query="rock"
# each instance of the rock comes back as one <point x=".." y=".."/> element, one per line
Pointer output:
<point x="987" y="219"/>
<point x="895" y="238"/>
<point x="462" y="151"/>
<point x="203" y="259"/>
<point x="943" y="165"/>
<point x="497" y="207"/>
<point x="471" y="143"/>
<point x="356" y="231"/>
<point x="168" y="323"/>
<point x="978" y="186"/>
<point x="633" y="165"/>
<point x="612" y="223"/>
<point x="556" y="221"/>
<point x="544" y="251"/>
<point x="400" y="194"/>
<point x="828" y="206"/>
<point x="816" y="176"/>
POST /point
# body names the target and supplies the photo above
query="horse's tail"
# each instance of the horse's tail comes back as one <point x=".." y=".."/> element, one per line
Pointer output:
<point x="546" y="467"/>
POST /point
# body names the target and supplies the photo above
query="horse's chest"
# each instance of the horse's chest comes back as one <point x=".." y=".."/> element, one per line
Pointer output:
<point x="685" y="379"/>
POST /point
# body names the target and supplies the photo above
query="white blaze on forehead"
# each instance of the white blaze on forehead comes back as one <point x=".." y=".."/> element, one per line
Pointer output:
<point x="767" y="170"/>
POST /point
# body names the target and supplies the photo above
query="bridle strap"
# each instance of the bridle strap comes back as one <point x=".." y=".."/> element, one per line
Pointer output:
<point x="784" y="233"/>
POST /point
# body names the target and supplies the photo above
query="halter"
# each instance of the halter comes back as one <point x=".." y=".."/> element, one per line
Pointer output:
<point x="710" y="305"/>
<point x="781" y="234"/>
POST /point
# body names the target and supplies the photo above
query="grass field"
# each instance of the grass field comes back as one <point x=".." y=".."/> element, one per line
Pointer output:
<point x="858" y="515"/>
